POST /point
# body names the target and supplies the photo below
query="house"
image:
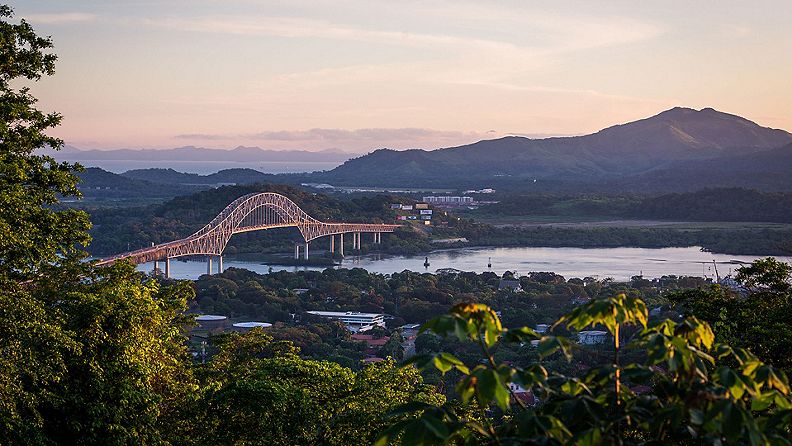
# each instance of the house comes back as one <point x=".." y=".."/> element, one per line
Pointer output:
<point x="542" y="328"/>
<point x="524" y="396"/>
<point x="580" y="300"/>
<point x="512" y="285"/>
<point x="372" y="344"/>
<point x="592" y="337"/>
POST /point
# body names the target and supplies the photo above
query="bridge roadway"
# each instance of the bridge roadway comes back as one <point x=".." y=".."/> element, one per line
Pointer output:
<point x="252" y="212"/>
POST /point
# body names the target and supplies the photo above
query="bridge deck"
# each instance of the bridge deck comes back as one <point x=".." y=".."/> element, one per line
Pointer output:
<point x="252" y="212"/>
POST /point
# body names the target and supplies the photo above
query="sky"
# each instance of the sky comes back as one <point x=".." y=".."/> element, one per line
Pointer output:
<point x="360" y="75"/>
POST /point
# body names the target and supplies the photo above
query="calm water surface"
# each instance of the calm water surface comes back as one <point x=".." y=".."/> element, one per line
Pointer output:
<point x="618" y="263"/>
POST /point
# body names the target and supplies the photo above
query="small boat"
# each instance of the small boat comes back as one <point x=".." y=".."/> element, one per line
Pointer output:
<point x="426" y="263"/>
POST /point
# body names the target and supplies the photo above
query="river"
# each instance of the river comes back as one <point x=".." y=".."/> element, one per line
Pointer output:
<point x="617" y="263"/>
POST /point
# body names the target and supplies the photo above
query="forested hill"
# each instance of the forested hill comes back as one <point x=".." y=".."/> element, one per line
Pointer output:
<point x="676" y="135"/>
<point x="170" y="176"/>
<point x="768" y="170"/>
<point x="732" y="204"/>
<point x="119" y="229"/>
<point x="707" y="205"/>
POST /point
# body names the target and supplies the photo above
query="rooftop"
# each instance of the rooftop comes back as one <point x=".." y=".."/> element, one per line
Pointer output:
<point x="344" y="313"/>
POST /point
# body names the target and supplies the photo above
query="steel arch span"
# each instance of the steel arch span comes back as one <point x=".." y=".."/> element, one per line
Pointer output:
<point x="252" y="212"/>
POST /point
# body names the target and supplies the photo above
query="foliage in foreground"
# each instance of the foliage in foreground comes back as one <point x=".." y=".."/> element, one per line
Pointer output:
<point x="688" y="389"/>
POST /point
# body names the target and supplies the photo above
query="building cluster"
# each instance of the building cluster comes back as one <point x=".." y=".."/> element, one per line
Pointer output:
<point x="418" y="212"/>
<point x="452" y="201"/>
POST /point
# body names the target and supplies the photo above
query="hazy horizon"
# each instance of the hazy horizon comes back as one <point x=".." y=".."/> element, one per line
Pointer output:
<point x="357" y="76"/>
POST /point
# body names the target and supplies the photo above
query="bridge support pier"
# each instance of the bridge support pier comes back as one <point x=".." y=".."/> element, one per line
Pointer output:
<point x="167" y="267"/>
<point x="341" y="244"/>
<point x="220" y="264"/>
<point x="306" y="250"/>
<point x="296" y="251"/>
<point x="156" y="267"/>
<point x="332" y="245"/>
<point x="209" y="265"/>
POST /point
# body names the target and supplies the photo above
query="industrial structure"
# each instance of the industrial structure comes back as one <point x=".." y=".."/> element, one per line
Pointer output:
<point x="252" y="212"/>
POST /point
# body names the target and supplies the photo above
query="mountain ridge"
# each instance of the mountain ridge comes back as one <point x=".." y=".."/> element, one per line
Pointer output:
<point x="192" y="153"/>
<point x="675" y="135"/>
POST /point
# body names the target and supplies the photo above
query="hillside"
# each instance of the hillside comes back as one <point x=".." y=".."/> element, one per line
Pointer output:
<point x="226" y="176"/>
<point x="101" y="186"/>
<point x="767" y="170"/>
<point x="674" y="136"/>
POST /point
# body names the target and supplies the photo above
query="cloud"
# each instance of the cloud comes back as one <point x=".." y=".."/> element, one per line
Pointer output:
<point x="291" y="27"/>
<point x="202" y="136"/>
<point x="59" y="18"/>
<point x="369" y="134"/>
<point x="558" y="33"/>
<point x="355" y="140"/>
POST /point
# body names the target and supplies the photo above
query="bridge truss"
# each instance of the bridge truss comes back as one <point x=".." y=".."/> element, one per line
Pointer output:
<point x="252" y="212"/>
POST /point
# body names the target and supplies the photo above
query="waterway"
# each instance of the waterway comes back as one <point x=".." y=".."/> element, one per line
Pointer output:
<point x="617" y="263"/>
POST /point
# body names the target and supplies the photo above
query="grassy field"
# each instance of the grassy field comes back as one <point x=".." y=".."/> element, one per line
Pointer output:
<point x="609" y="222"/>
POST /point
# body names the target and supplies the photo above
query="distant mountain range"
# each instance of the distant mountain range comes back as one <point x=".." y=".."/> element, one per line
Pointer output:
<point x="198" y="154"/>
<point x="677" y="139"/>
<point x="678" y="150"/>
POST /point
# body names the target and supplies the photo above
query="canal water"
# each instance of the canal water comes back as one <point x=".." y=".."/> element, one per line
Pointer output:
<point x="617" y="263"/>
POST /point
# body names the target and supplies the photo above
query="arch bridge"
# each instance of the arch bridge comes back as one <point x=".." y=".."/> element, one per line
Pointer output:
<point x="252" y="212"/>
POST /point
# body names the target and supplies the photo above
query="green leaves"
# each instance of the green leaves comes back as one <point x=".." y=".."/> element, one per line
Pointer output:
<point x="446" y="361"/>
<point x="697" y="393"/>
<point x="468" y="321"/>
<point x="609" y="312"/>
<point x="33" y="235"/>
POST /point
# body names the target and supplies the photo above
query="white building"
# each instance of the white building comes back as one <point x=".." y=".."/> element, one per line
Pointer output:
<point x="592" y="337"/>
<point x="447" y="200"/>
<point x="354" y="320"/>
<point x="542" y="328"/>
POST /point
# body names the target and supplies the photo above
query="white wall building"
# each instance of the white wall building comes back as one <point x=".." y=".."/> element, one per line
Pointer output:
<point x="354" y="320"/>
<point x="592" y="337"/>
<point x="456" y="201"/>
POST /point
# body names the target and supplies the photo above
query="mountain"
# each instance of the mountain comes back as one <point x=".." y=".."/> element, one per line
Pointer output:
<point x="767" y="170"/>
<point x="98" y="185"/>
<point x="190" y="153"/>
<point x="226" y="176"/>
<point x="674" y="136"/>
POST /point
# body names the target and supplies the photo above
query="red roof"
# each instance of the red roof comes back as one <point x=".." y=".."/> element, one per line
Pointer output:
<point x="370" y="341"/>
<point x="526" y="397"/>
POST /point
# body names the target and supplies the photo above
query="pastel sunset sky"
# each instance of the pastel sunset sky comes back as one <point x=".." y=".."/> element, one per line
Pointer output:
<point x="359" y="75"/>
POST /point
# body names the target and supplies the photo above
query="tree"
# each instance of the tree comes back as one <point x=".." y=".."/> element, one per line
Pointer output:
<point x="699" y="391"/>
<point x="87" y="355"/>
<point x="768" y="275"/>
<point x="259" y="391"/>
<point x="755" y="317"/>
<point x="32" y="233"/>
